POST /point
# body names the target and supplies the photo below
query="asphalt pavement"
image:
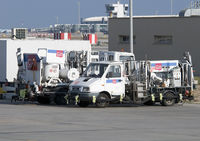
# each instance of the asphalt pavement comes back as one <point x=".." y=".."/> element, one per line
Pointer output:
<point x="34" y="122"/>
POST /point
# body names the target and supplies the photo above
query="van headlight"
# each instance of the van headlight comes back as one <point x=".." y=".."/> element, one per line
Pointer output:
<point x="85" y="89"/>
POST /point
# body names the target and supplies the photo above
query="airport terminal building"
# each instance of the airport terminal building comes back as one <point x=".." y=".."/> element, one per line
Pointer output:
<point x="158" y="37"/>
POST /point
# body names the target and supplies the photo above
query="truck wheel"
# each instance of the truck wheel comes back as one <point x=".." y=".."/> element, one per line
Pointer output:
<point x="102" y="100"/>
<point x="83" y="103"/>
<point x="43" y="100"/>
<point x="169" y="99"/>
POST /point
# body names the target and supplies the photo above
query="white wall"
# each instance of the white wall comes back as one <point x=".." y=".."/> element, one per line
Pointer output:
<point x="31" y="46"/>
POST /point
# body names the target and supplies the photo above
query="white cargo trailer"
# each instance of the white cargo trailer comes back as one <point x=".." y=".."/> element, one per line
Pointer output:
<point x="8" y="49"/>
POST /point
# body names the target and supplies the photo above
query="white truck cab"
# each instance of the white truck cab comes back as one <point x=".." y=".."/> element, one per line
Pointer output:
<point x="101" y="80"/>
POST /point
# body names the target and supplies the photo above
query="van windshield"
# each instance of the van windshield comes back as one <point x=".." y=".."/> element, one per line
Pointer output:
<point x="95" y="70"/>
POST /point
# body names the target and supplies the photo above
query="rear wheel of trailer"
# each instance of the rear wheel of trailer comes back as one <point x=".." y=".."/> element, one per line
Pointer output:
<point x="169" y="99"/>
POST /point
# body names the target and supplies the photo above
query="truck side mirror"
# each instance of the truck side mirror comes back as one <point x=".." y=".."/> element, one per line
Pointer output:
<point x="109" y="75"/>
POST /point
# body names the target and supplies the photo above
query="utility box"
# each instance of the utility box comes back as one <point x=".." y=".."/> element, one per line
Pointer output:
<point x="19" y="33"/>
<point x="176" y="78"/>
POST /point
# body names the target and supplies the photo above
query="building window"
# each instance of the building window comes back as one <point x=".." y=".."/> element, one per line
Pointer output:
<point x="124" y="39"/>
<point x="163" y="39"/>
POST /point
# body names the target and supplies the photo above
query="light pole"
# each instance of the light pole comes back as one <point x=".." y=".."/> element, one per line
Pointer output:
<point x="171" y="7"/>
<point x="131" y="24"/>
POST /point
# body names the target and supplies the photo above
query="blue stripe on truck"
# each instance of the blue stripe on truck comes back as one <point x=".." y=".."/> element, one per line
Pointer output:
<point x="113" y="81"/>
<point x="164" y="64"/>
<point x="55" y="51"/>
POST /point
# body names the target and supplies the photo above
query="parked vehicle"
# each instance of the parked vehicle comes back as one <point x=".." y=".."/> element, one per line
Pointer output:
<point x="46" y="75"/>
<point x="129" y="81"/>
<point x="50" y="72"/>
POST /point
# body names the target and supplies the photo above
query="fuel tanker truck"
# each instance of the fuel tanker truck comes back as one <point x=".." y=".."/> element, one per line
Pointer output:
<point x="47" y="73"/>
<point x="134" y="82"/>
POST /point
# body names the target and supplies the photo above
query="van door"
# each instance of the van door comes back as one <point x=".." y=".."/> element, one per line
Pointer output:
<point x="114" y="81"/>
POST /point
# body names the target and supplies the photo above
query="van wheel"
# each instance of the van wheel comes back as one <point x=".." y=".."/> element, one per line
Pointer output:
<point x="102" y="100"/>
<point x="169" y="99"/>
<point x="83" y="103"/>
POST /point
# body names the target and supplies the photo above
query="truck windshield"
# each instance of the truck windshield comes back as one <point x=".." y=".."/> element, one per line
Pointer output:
<point x="95" y="70"/>
<point x="126" y="58"/>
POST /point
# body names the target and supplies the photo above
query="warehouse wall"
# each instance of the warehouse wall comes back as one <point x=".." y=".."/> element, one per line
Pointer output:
<point x="184" y="31"/>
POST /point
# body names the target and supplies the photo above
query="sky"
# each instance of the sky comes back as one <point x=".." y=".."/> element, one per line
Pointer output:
<point x="42" y="13"/>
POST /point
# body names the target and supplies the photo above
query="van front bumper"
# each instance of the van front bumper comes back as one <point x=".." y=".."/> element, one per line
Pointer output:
<point x="83" y="96"/>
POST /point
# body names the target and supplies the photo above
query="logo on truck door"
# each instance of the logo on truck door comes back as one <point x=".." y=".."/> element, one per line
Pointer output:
<point x="59" y="53"/>
<point x="158" y="66"/>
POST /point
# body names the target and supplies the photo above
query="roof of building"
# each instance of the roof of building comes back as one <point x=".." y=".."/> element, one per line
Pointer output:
<point x="92" y="19"/>
<point x="149" y="16"/>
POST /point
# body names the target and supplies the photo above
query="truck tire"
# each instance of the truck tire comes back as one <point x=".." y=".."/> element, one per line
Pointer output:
<point x="60" y="100"/>
<point x="83" y="103"/>
<point x="169" y="99"/>
<point x="102" y="100"/>
<point x="43" y="100"/>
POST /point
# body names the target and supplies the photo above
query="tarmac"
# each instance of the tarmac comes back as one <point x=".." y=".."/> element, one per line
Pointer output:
<point x="24" y="121"/>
